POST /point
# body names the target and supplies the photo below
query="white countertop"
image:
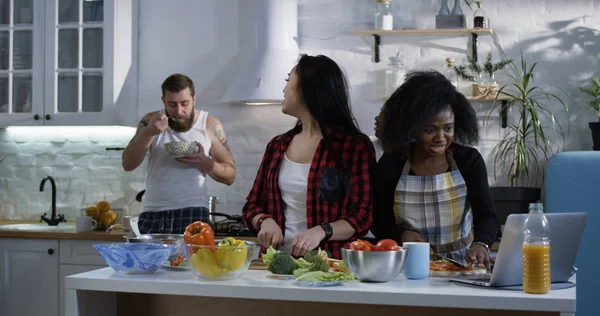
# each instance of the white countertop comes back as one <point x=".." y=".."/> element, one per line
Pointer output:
<point x="431" y="292"/>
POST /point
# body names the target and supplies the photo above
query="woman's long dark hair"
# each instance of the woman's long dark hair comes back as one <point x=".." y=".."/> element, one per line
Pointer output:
<point x="324" y="90"/>
<point x="416" y="102"/>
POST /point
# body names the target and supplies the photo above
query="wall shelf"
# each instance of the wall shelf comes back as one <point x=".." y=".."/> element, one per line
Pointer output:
<point x="503" y="110"/>
<point x="472" y="98"/>
<point x="413" y="32"/>
<point x="475" y="32"/>
<point x="490" y="99"/>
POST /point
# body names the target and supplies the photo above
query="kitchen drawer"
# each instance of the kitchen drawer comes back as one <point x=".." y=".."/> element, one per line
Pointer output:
<point x="80" y="252"/>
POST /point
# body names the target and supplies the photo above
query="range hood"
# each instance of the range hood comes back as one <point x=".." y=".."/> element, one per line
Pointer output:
<point x="260" y="79"/>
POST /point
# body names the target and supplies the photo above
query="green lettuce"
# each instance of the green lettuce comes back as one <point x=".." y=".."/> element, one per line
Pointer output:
<point x="267" y="258"/>
<point x="320" y="276"/>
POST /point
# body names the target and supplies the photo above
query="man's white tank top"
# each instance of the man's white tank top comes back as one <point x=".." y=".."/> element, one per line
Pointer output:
<point x="172" y="184"/>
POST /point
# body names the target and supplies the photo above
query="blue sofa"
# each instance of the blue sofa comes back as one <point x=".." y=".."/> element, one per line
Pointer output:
<point x="572" y="184"/>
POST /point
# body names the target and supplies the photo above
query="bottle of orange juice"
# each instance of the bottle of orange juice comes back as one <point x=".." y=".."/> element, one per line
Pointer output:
<point x="536" y="251"/>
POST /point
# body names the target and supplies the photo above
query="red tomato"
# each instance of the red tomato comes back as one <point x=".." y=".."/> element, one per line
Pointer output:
<point x="362" y="245"/>
<point x="386" y="245"/>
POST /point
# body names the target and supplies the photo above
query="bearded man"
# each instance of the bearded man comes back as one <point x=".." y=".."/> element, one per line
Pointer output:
<point x="176" y="193"/>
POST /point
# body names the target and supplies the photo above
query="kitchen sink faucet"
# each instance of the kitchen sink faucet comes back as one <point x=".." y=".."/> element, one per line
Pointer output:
<point x="54" y="220"/>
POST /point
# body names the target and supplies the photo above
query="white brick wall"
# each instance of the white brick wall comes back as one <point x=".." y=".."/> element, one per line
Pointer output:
<point x="74" y="156"/>
<point x="560" y="34"/>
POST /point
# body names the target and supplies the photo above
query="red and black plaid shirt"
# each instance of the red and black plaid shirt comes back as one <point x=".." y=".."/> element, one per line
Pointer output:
<point x="333" y="193"/>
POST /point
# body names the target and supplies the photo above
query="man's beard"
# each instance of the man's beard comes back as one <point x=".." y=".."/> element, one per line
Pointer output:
<point x="182" y="125"/>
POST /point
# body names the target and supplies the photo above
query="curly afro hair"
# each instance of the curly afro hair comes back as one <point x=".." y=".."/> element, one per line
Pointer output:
<point x="416" y="102"/>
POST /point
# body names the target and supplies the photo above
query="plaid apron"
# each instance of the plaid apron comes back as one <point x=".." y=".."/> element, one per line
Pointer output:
<point x="436" y="207"/>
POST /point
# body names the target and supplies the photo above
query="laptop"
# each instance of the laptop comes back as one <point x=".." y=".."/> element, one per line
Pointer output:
<point x="566" y="230"/>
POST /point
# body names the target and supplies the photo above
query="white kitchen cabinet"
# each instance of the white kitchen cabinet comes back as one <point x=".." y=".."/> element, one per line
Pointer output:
<point x="29" y="277"/>
<point x="80" y="252"/>
<point x="65" y="62"/>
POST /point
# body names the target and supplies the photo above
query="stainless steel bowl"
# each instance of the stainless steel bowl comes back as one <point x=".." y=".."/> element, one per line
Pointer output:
<point x="374" y="266"/>
<point x="166" y="239"/>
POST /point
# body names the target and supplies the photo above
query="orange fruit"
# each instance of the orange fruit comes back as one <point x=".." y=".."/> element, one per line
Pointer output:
<point x="93" y="211"/>
<point x="107" y="218"/>
<point x="103" y="206"/>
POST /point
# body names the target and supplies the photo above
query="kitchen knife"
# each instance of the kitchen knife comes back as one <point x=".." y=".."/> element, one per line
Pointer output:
<point x="454" y="262"/>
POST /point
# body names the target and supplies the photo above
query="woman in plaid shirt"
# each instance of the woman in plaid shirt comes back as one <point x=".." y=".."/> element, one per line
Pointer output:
<point x="313" y="187"/>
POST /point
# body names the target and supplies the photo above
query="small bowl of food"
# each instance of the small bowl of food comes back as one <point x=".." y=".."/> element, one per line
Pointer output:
<point x="225" y="260"/>
<point x="180" y="149"/>
<point x="373" y="263"/>
<point x="135" y="258"/>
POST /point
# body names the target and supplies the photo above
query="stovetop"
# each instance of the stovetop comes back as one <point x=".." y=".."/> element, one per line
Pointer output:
<point x="229" y="228"/>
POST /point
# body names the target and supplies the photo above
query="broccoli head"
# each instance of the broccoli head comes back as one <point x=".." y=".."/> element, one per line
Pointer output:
<point x="282" y="263"/>
<point x="319" y="265"/>
<point x="316" y="262"/>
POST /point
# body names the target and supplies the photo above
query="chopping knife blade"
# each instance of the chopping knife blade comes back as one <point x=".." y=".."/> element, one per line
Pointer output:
<point x="454" y="262"/>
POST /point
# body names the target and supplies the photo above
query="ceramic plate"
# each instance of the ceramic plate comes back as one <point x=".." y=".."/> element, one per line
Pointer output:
<point x="280" y="276"/>
<point x="317" y="284"/>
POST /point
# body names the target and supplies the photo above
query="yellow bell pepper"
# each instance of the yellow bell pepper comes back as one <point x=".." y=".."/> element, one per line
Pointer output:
<point x="205" y="262"/>
<point x="232" y="253"/>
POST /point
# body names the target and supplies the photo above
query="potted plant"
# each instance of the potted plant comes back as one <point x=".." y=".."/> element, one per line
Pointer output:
<point x="594" y="104"/>
<point x="473" y="72"/>
<point x="527" y="142"/>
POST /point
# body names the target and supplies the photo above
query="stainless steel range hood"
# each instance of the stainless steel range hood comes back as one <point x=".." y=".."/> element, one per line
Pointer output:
<point x="260" y="80"/>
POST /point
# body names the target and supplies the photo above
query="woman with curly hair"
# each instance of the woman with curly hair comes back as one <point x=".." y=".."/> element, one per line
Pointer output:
<point x="429" y="184"/>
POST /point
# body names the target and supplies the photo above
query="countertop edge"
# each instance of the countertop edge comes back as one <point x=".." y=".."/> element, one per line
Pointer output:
<point x="99" y="236"/>
<point x="254" y="285"/>
<point x="116" y="235"/>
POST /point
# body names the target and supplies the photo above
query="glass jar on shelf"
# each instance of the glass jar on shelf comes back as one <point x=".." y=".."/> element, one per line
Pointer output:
<point x="384" y="19"/>
<point x="394" y="74"/>
<point x="479" y="17"/>
<point x="450" y="73"/>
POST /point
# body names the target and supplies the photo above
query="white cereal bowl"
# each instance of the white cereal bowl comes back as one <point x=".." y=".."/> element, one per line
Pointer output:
<point x="180" y="149"/>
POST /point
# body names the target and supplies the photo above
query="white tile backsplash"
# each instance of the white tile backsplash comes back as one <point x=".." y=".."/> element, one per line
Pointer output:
<point x="85" y="171"/>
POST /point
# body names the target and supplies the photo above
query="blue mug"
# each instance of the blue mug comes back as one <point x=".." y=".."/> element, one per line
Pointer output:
<point x="416" y="266"/>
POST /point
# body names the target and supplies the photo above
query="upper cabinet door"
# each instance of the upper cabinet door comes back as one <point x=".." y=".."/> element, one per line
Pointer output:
<point x="21" y="62"/>
<point x="79" y="62"/>
<point x="63" y="63"/>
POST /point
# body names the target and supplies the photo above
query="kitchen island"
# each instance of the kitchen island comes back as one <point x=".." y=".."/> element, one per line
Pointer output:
<point x="105" y="292"/>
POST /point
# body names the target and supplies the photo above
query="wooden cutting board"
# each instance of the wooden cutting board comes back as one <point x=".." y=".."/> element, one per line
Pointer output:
<point x="257" y="264"/>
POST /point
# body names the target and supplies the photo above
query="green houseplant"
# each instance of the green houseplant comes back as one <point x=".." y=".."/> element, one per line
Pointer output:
<point x="527" y="141"/>
<point x="473" y="72"/>
<point x="594" y="92"/>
